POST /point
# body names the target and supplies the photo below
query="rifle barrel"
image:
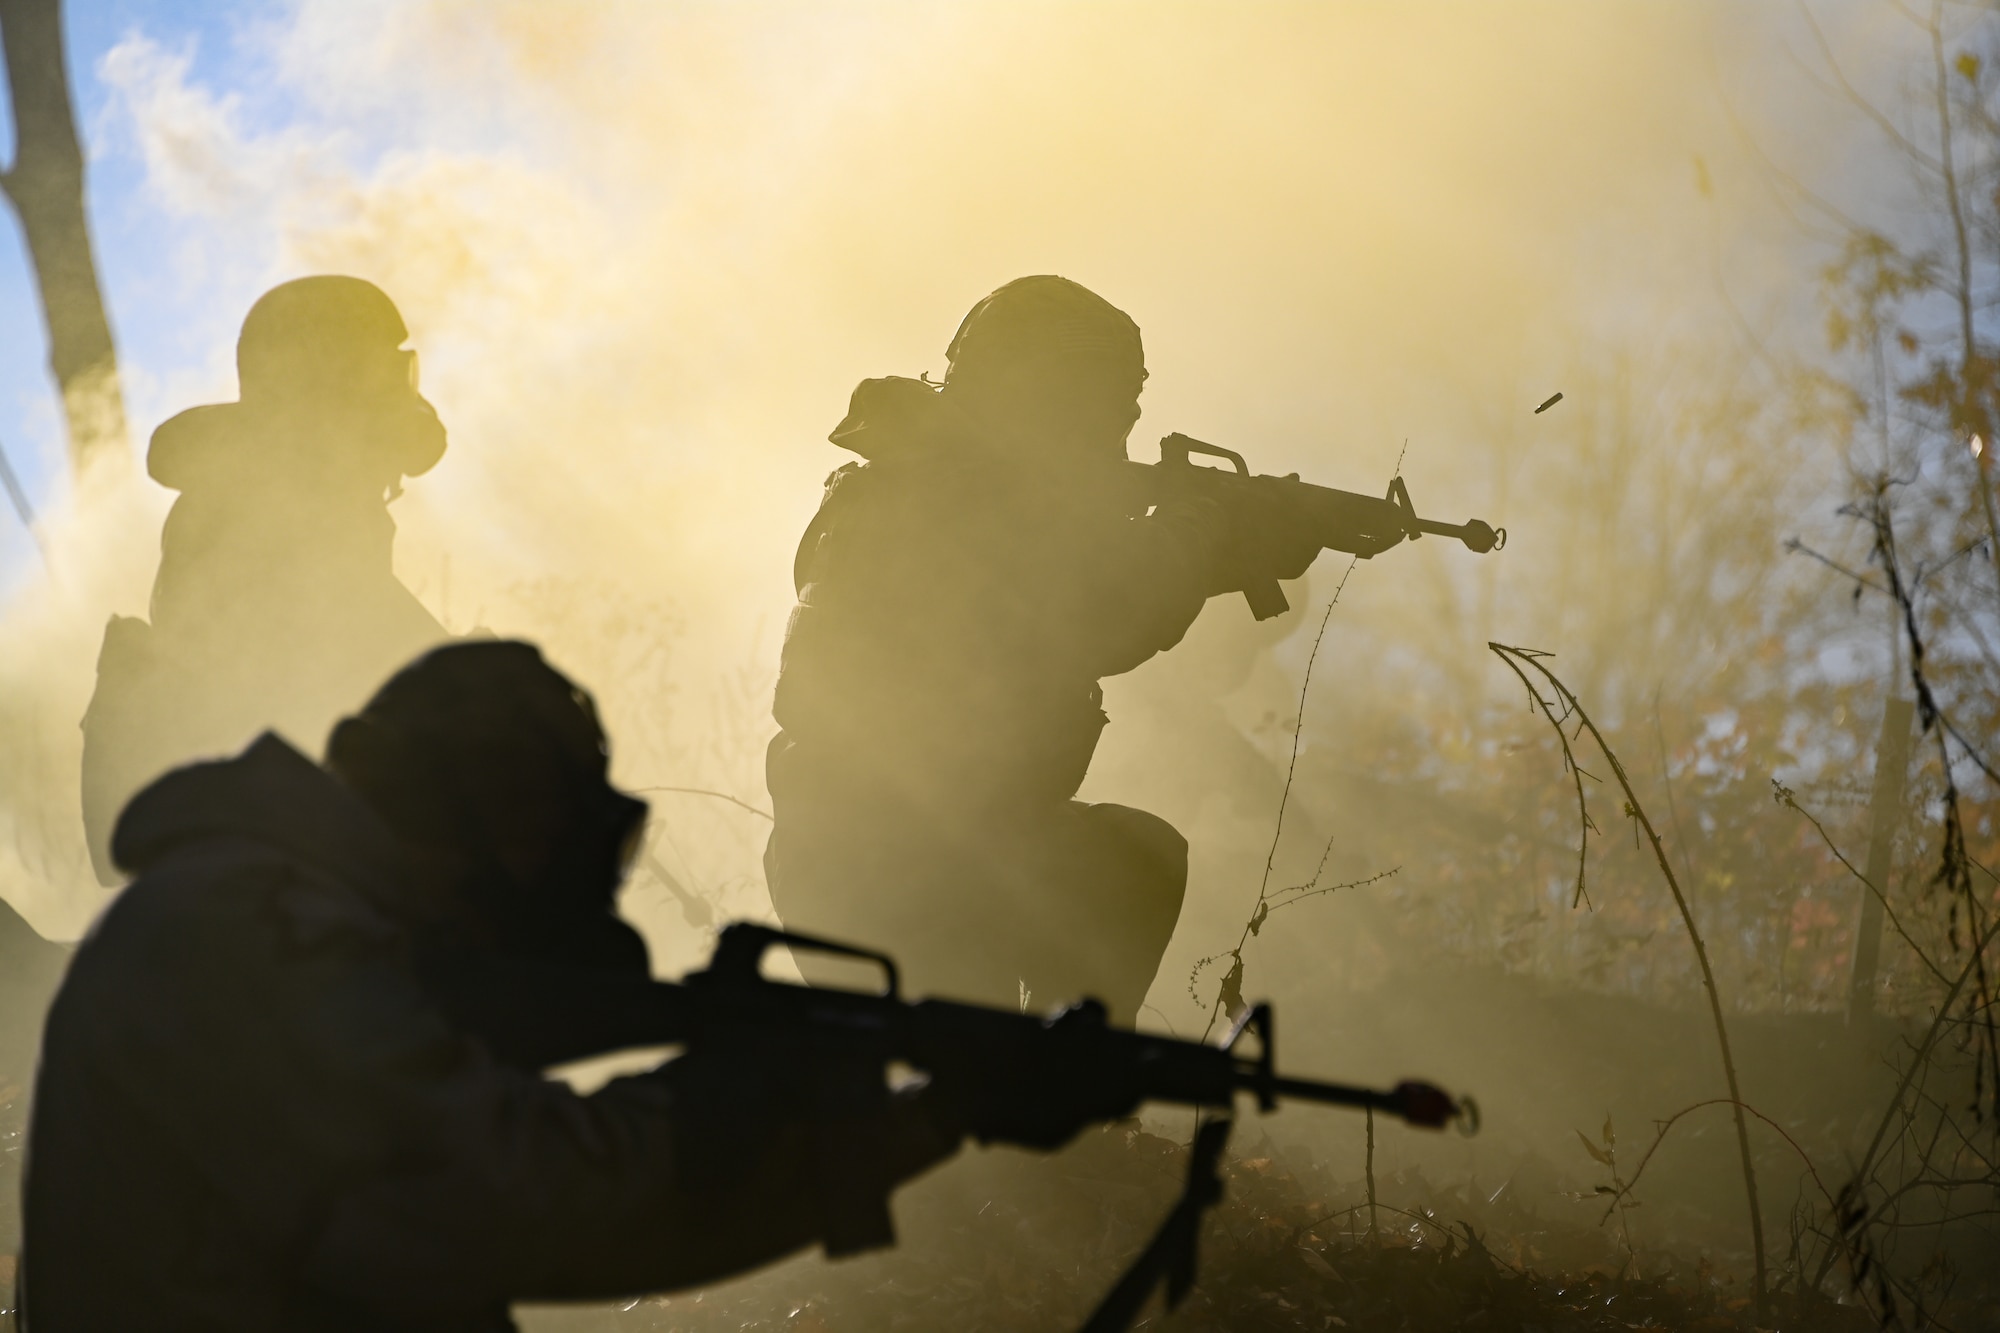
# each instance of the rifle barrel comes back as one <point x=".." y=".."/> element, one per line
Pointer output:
<point x="1478" y="536"/>
<point x="1423" y="1104"/>
<point x="1327" y="1094"/>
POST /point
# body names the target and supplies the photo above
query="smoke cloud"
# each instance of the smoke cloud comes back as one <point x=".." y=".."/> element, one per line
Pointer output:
<point x="646" y="252"/>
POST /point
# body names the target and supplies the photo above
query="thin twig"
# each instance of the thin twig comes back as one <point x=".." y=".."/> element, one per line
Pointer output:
<point x="1929" y="711"/>
<point x="1785" y="797"/>
<point x="1259" y="909"/>
<point x="1298" y="733"/>
<point x="1861" y="103"/>
<point x="1667" y="784"/>
<point x="694" y="909"/>
<point x="1586" y="826"/>
<point x="1953" y="869"/>
<point x="1917" y="1058"/>
<point x="1518" y="658"/>
<point x="1301" y="892"/>
<point x="1660" y="1128"/>
<point x="19" y="496"/>
<point x="1797" y="547"/>
<point x="718" y="795"/>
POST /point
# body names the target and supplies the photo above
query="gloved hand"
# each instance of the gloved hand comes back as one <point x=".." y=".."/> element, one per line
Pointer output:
<point x="826" y="1120"/>
<point x="1272" y="539"/>
<point x="1258" y="537"/>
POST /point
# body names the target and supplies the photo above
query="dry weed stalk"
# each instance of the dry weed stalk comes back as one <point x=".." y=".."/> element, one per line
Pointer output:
<point x="1853" y="1214"/>
<point x="1619" y="1189"/>
<point x="1954" y="872"/>
<point x="1229" y="993"/>
<point x="1919" y="1155"/>
<point x="1520" y="661"/>
<point x="1788" y="798"/>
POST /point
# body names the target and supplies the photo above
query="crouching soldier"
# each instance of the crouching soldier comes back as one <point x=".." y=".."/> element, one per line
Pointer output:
<point x="962" y="591"/>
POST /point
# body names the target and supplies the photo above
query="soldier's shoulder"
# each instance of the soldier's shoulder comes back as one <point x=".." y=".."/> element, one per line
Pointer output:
<point x="227" y="895"/>
<point x="843" y="473"/>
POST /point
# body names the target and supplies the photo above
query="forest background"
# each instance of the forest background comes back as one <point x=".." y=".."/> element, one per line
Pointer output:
<point x="646" y="251"/>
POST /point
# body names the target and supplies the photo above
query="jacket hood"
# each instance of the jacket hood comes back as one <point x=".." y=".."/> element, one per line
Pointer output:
<point x="895" y="417"/>
<point x="269" y="794"/>
<point x="204" y="447"/>
<point x="192" y="448"/>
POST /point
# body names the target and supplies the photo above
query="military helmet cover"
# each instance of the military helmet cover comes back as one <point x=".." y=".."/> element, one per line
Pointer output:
<point x="308" y="327"/>
<point x="313" y="343"/>
<point x="1046" y="318"/>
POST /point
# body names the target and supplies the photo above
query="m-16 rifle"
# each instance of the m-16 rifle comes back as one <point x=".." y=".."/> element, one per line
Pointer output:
<point x="1340" y="520"/>
<point x="1012" y="1076"/>
<point x="543" y="1015"/>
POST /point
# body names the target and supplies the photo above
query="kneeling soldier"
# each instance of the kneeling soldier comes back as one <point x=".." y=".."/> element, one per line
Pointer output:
<point x="252" y="1114"/>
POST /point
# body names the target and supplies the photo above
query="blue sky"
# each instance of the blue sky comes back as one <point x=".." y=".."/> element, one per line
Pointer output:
<point x="143" y="247"/>
<point x="130" y="242"/>
<point x="135" y="241"/>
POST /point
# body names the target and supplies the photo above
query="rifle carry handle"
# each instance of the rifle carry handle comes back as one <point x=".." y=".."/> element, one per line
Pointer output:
<point x="738" y="959"/>
<point x="1265" y="597"/>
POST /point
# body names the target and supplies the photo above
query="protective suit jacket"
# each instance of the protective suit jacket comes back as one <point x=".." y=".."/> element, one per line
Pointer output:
<point x="250" y="1115"/>
<point x="276" y="606"/>
<point x="939" y="704"/>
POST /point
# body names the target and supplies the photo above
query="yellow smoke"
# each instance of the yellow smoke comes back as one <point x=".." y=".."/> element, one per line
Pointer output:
<point x="647" y="250"/>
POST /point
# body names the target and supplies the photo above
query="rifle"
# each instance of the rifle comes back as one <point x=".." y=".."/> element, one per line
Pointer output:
<point x="1341" y="520"/>
<point x="996" y="1060"/>
<point x="537" y="1015"/>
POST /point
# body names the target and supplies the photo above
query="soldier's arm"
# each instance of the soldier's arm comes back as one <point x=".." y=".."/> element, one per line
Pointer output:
<point x="553" y="1196"/>
<point x="274" y="1039"/>
<point x="1146" y="579"/>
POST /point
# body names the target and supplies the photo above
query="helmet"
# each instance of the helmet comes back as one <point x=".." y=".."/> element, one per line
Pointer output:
<point x="472" y="742"/>
<point x="1050" y="319"/>
<point x="326" y="334"/>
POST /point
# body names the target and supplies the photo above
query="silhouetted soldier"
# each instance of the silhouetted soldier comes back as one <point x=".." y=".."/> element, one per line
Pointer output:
<point x="275" y="605"/>
<point x="252" y="1114"/>
<point x="30" y="968"/>
<point x="961" y="593"/>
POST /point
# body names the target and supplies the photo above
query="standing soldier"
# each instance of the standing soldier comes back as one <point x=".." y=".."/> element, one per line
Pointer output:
<point x="961" y="593"/>
<point x="275" y="604"/>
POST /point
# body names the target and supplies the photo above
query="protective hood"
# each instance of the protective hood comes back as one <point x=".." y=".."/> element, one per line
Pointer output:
<point x="894" y="417"/>
<point x="206" y="448"/>
<point x="273" y="795"/>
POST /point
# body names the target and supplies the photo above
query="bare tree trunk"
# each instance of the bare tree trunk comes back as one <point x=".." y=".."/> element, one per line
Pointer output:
<point x="1977" y="408"/>
<point x="1885" y="811"/>
<point x="45" y="186"/>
